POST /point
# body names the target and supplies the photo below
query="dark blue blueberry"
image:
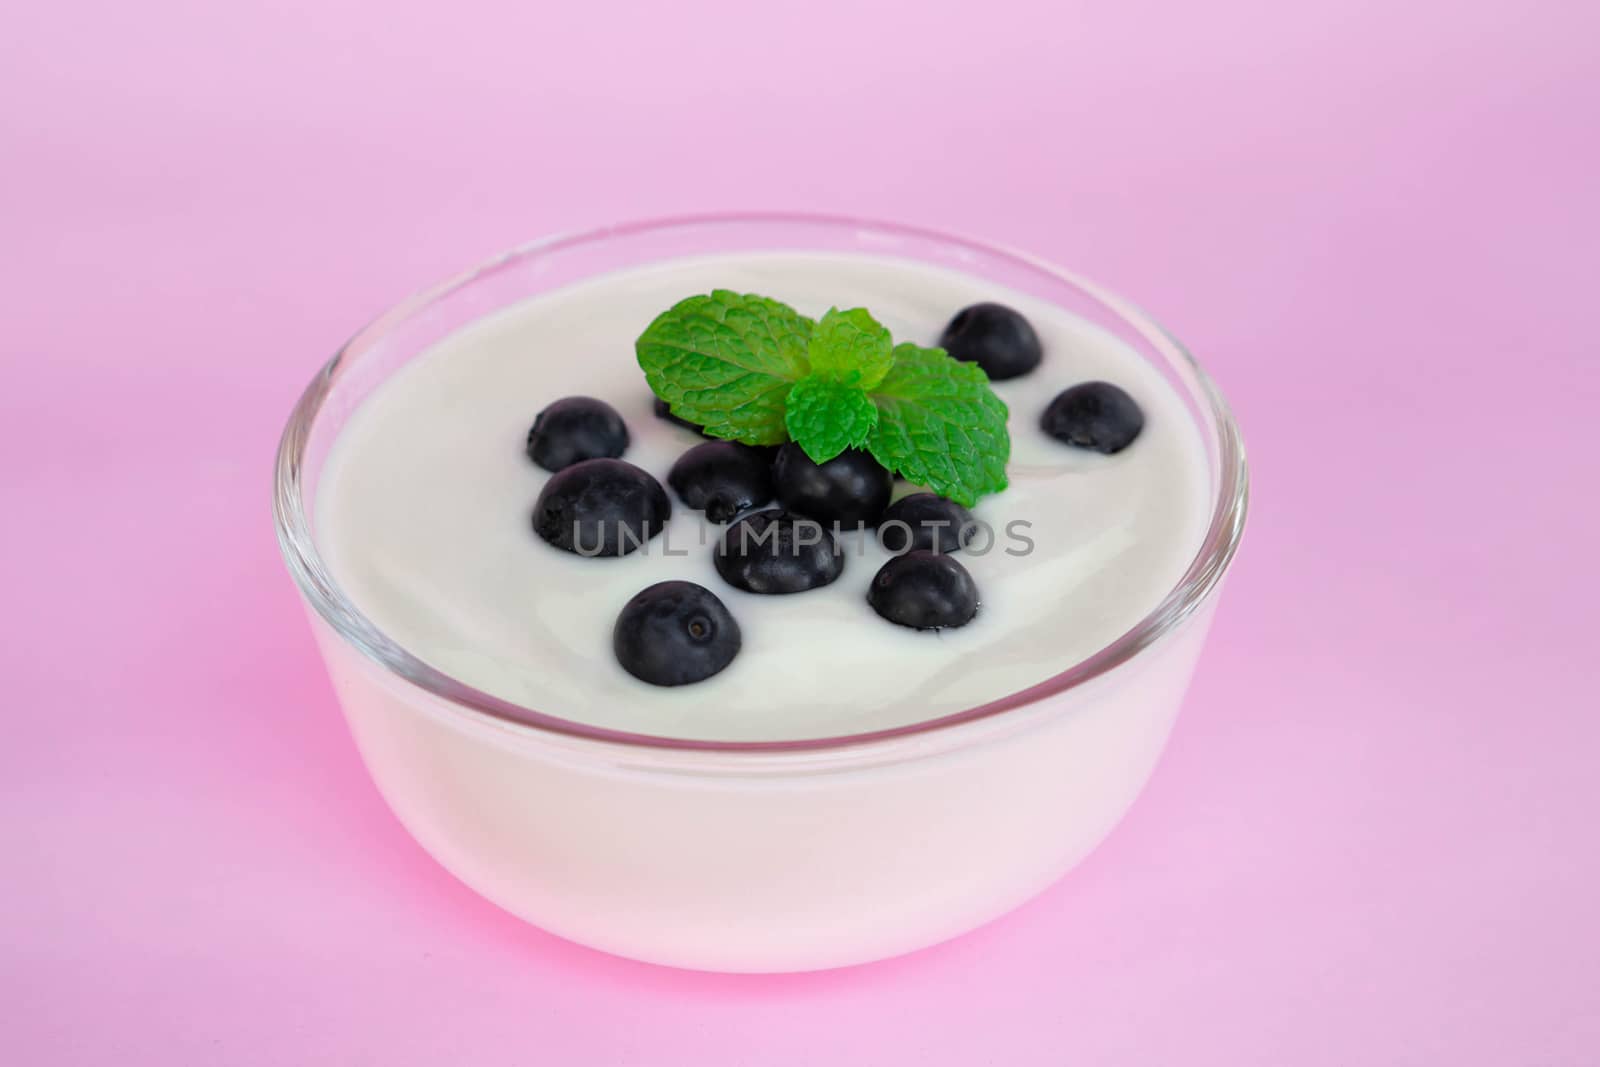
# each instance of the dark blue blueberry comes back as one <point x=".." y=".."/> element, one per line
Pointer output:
<point x="995" y="338"/>
<point x="722" y="479"/>
<point x="851" y="489"/>
<point x="675" y="633"/>
<point x="931" y="524"/>
<point x="601" y="507"/>
<point x="776" y="551"/>
<point x="575" y="429"/>
<point x="1094" y="415"/>
<point x="925" y="591"/>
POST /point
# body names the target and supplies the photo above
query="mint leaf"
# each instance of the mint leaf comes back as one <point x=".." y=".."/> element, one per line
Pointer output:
<point x="850" y="347"/>
<point x="727" y="362"/>
<point x="748" y="368"/>
<point x="827" y="417"/>
<point x="940" y="425"/>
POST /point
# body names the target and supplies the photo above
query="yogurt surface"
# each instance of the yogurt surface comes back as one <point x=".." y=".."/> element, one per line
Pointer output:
<point x="423" y="514"/>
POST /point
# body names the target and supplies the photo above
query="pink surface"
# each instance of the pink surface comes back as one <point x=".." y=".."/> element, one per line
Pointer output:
<point x="1373" y="838"/>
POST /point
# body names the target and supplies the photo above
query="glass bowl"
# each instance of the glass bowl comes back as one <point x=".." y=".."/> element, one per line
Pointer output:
<point x="753" y="855"/>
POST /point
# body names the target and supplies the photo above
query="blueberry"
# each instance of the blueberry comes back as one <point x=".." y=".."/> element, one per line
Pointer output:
<point x="776" y="551"/>
<point x="1096" y="415"/>
<point x="995" y="338"/>
<point x="851" y="489"/>
<point x="675" y="633"/>
<point x="574" y="429"/>
<point x="664" y="412"/>
<point x="924" y="590"/>
<point x="601" y="507"/>
<point x="931" y="524"/>
<point x="722" y="478"/>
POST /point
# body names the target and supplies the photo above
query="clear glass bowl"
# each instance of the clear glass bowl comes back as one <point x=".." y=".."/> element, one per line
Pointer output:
<point x="767" y="855"/>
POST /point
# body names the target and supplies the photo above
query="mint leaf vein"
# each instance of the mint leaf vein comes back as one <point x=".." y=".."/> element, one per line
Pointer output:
<point x="825" y="417"/>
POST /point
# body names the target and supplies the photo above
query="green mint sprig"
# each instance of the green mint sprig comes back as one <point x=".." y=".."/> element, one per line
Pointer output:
<point x="751" y="369"/>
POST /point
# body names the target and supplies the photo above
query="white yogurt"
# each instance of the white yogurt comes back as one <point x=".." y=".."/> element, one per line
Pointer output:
<point x="423" y="514"/>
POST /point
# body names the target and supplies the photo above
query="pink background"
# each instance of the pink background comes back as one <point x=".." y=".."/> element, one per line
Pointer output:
<point x="1373" y="838"/>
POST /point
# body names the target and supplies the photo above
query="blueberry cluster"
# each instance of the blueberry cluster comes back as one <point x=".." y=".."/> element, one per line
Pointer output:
<point x="783" y="512"/>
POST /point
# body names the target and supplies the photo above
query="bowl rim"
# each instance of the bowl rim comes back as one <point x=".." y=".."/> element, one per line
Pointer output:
<point x="316" y="583"/>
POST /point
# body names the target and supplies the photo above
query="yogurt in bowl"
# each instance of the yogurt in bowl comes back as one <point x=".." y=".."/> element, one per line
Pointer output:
<point x="844" y="789"/>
